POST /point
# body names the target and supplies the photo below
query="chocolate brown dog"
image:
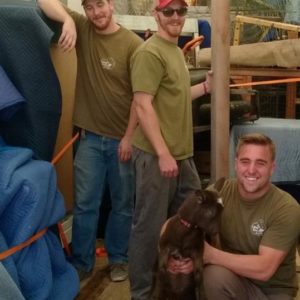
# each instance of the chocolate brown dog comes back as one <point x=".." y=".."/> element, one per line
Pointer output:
<point x="197" y="220"/>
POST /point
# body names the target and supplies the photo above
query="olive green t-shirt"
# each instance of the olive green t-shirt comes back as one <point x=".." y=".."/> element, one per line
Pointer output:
<point x="272" y="221"/>
<point x="159" y="69"/>
<point x="103" y="88"/>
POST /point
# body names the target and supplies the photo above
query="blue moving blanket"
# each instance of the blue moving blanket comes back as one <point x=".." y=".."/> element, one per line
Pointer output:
<point x="8" y="288"/>
<point x="10" y="99"/>
<point x="24" y="55"/>
<point x="30" y="202"/>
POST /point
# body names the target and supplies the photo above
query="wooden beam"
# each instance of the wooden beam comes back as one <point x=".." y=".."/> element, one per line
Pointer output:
<point x="237" y="32"/>
<point x="293" y="34"/>
<point x="220" y="93"/>
<point x="292" y="30"/>
<point x="262" y="22"/>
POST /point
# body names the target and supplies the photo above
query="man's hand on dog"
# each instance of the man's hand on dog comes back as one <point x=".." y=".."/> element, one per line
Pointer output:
<point x="185" y="266"/>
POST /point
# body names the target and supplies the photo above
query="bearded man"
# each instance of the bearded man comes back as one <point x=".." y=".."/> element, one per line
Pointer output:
<point x="103" y="114"/>
<point x="163" y="141"/>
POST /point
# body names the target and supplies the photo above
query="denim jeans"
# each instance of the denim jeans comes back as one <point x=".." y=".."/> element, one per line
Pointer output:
<point x="97" y="164"/>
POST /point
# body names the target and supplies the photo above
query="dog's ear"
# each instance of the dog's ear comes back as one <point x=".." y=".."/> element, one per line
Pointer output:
<point x="219" y="184"/>
<point x="191" y="207"/>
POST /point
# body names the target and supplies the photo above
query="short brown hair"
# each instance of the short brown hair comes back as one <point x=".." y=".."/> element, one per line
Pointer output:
<point x="256" y="139"/>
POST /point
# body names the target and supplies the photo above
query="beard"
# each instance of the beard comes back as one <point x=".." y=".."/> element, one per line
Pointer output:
<point x="173" y="31"/>
<point x="102" y="23"/>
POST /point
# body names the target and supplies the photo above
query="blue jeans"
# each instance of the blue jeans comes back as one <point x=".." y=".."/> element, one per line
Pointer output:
<point x="97" y="164"/>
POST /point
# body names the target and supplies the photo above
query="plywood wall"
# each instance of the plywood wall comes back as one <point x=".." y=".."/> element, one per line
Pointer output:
<point x="66" y="67"/>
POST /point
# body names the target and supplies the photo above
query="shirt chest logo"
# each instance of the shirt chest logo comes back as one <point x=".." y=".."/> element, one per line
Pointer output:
<point x="258" y="227"/>
<point x="107" y="63"/>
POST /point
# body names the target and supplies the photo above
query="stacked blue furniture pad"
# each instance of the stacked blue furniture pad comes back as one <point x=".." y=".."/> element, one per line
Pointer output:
<point x="25" y="40"/>
<point x="29" y="203"/>
<point x="10" y="99"/>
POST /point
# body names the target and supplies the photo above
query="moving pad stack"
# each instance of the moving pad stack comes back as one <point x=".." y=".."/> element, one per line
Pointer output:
<point x="30" y="203"/>
<point x="25" y="40"/>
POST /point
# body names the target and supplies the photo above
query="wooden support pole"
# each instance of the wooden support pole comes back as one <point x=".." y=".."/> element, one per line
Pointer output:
<point x="290" y="103"/>
<point x="220" y="20"/>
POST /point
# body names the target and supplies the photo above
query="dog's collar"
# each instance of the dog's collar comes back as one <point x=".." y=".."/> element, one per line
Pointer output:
<point x="187" y="224"/>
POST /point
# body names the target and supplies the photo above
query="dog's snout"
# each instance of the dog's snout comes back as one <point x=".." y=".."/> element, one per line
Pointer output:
<point x="176" y="256"/>
<point x="220" y="201"/>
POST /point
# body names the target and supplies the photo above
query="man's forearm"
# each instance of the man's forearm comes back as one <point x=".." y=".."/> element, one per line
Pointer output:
<point x="260" y="267"/>
<point x="202" y="88"/>
<point x="53" y="9"/>
<point x="199" y="90"/>
<point x="132" y="122"/>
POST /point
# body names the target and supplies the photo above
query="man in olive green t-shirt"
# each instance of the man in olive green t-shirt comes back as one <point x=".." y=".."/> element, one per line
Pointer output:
<point x="259" y="232"/>
<point x="102" y="112"/>
<point x="163" y="141"/>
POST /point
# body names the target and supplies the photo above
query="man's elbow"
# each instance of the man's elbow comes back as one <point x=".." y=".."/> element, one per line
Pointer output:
<point x="139" y="107"/>
<point x="265" y="275"/>
<point x="41" y="3"/>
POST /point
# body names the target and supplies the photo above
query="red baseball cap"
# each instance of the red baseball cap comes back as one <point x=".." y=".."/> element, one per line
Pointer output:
<point x="164" y="3"/>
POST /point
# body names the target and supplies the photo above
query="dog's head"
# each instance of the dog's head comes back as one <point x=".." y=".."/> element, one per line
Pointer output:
<point x="202" y="209"/>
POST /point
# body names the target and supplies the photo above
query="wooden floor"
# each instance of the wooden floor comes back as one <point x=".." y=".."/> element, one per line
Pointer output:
<point x="99" y="286"/>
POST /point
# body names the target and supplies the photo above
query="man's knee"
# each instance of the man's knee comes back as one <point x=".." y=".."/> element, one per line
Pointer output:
<point x="215" y="276"/>
<point x="220" y="283"/>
